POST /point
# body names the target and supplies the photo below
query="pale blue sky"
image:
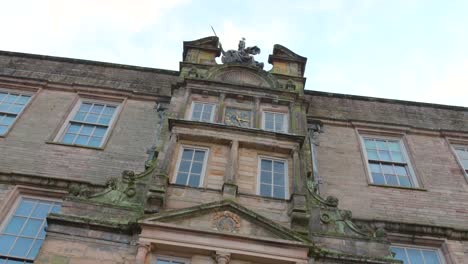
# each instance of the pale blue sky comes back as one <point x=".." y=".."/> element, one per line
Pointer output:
<point x="402" y="49"/>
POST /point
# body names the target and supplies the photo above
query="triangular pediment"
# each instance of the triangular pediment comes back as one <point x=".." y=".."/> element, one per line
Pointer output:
<point x="226" y="217"/>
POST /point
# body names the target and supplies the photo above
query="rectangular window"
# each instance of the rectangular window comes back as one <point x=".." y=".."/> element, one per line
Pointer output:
<point x="202" y="112"/>
<point x="191" y="166"/>
<point x="276" y="122"/>
<point x="388" y="162"/>
<point x="170" y="260"/>
<point x="89" y="123"/>
<point x="22" y="234"/>
<point x="414" y="255"/>
<point x="11" y="105"/>
<point x="273" y="178"/>
<point x="462" y="155"/>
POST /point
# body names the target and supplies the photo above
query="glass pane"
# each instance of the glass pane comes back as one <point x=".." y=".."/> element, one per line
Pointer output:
<point x="82" y="140"/>
<point x="397" y="156"/>
<point x="400" y="170"/>
<point x="182" y="178"/>
<point x="86" y="130"/>
<point x="80" y="116"/>
<point x="206" y="116"/>
<point x="268" y="117"/>
<point x="8" y="120"/>
<point x="163" y="261"/>
<point x="187" y="154"/>
<point x="394" y="146"/>
<point x="370" y="144"/>
<point x="184" y="166"/>
<point x="11" y="98"/>
<point x="4" y="107"/>
<point x="375" y="167"/>
<point x="85" y="107"/>
<point x="387" y="169"/>
<point x="74" y="128"/>
<point x="3" y="130"/>
<point x="109" y="110"/>
<point x="92" y="118"/>
<point x="278" y="166"/>
<point x="194" y="180"/>
<point x="56" y="208"/>
<point x="278" y="179"/>
<point x="381" y="144"/>
<point x="196" y="167"/>
<point x="196" y="116"/>
<point x="24" y="99"/>
<point x="279" y="191"/>
<point x="5" y="243"/>
<point x="208" y="108"/>
<point x="378" y="178"/>
<point x="265" y="177"/>
<point x="68" y="138"/>
<point x="265" y="190"/>
<point x="104" y="120"/>
<point x="21" y="247"/>
<point x="269" y="126"/>
<point x="35" y="249"/>
<point x="2" y="96"/>
<point x="15" y="109"/>
<point x="12" y="261"/>
<point x="99" y="131"/>
<point x="178" y="262"/>
<point x="400" y="254"/>
<point x="199" y="155"/>
<point x="25" y="208"/>
<point x="391" y="180"/>
<point x="384" y="155"/>
<point x="41" y="210"/>
<point x="414" y="255"/>
<point x="266" y="165"/>
<point x="404" y="181"/>
<point x="197" y="107"/>
<point x="95" y="142"/>
<point x="430" y="257"/>
<point x="372" y="155"/>
<point x="32" y="227"/>
<point x="15" y="225"/>
<point x="97" y="108"/>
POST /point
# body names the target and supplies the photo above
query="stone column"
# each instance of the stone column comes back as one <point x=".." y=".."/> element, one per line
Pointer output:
<point x="142" y="252"/>
<point x="222" y="257"/>
<point x="219" y="117"/>
<point x="229" y="186"/>
<point x="257" y="114"/>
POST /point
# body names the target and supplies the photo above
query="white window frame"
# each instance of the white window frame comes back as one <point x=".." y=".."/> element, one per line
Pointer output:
<point x="412" y="175"/>
<point x="20" y="92"/>
<point x="13" y="208"/>
<point x="179" y="159"/>
<point x="171" y="258"/>
<point x="76" y="107"/>
<point x="459" y="160"/>
<point x="286" y="176"/>
<point x="203" y="103"/>
<point x="437" y="250"/>
<point x="285" y="121"/>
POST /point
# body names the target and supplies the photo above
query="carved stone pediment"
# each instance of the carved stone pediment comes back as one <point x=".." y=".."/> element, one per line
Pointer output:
<point x="243" y="75"/>
<point x="225" y="217"/>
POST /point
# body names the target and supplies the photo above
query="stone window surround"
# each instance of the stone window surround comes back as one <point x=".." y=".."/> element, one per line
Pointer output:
<point x="385" y="133"/>
<point x="286" y="175"/>
<point x="454" y="142"/>
<point x="19" y="191"/>
<point x="73" y="108"/>
<point x="438" y="244"/>
<point x="21" y="89"/>
<point x="179" y="159"/>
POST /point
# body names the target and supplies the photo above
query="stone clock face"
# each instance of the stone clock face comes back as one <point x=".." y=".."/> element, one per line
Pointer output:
<point x="238" y="117"/>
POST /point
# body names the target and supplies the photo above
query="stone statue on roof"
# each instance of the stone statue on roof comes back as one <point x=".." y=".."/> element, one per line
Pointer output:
<point x="243" y="55"/>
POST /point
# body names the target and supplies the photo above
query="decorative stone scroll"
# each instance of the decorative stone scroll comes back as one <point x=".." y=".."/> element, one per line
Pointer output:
<point x="226" y="222"/>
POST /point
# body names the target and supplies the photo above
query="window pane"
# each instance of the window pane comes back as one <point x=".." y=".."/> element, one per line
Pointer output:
<point x="265" y="177"/>
<point x="41" y="210"/>
<point x="25" y="207"/>
<point x="86" y="130"/>
<point x="397" y="156"/>
<point x="82" y="140"/>
<point x="372" y="155"/>
<point x="278" y="166"/>
<point x="85" y="107"/>
<point x="109" y="110"/>
<point x="95" y="142"/>
<point x="391" y="179"/>
<point x="182" y="178"/>
<point x="401" y="170"/>
<point x="15" y="225"/>
<point x="99" y="131"/>
<point x="80" y="116"/>
<point x="196" y="167"/>
<point x="8" y="120"/>
<point x="394" y="146"/>
<point x="194" y="180"/>
<point x="279" y="191"/>
<point x="404" y="181"/>
<point x="375" y="167"/>
<point x="184" y="166"/>
<point x="32" y="227"/>
<point x="104" y="120"/>
<point x="3" y="130"/>
<point x="199" y="155"/>
<point x="388" y="169"/>
<point x="400" y="254"/>
<point x="265" y="190"/>
<point x="187" y="154"/>
<point x="278" y="179"/>
<point x="370" y="144"/>
<point x="97" y="108"/>
<point x="35" y="249"/>
<point x="21" y="247"/>
<point x="378" y="178"/>
<point x="206" y="116"/>
<point x="5" y="243"/>
<point x="74" y="128"/>
<point x="69" y="138"/>
<point x="414" y="255"/>
<point x="384" y="155"/>
<point x="196" y="116"/>
<point x="381" y="144"/>
<point x="266" y="165"/>
<point x="197" y="107"/>
<point x="92" y="118"/>
<point x="15" y="109"/>
<point x="430" y="257"/>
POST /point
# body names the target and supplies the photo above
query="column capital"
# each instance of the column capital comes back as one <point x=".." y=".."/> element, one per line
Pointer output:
<point x="222" y="257"/>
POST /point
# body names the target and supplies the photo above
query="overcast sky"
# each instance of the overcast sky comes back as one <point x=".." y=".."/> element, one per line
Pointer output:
<point x="413" y="50"/>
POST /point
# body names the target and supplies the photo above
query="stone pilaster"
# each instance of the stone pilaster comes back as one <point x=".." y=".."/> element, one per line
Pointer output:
<point x="222" y="257"/>
<point x="229" y="186"/>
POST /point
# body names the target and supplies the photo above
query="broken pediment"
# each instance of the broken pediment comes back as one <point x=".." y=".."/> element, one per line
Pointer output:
<point x="242" y="75"/>
<point x="225" y="217"/>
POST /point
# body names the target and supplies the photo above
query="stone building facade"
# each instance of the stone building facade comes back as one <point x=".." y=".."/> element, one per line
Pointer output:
<point x="222" y="163"/>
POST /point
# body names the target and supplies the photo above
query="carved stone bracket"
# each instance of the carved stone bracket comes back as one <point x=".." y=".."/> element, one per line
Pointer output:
<point x="222" y="257"/>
